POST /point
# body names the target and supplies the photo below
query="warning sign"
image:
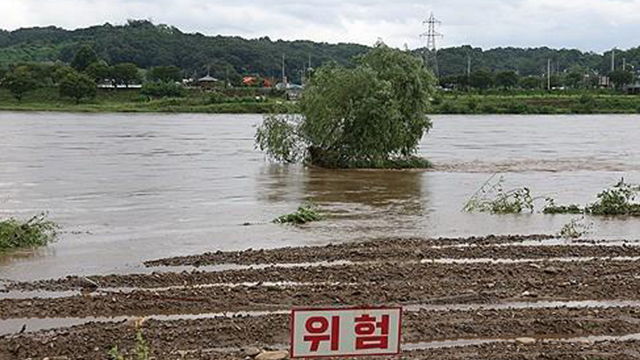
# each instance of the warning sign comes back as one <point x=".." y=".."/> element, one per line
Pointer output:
<point x="345" y="332"/>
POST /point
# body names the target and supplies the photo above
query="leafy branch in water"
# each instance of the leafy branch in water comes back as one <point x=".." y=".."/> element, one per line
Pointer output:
<point x="617" y="200"/>
<point x="35" y="232"/>
<point x="575" y="229"/>
<point x="492" y="198"/>
<point x="303" y="215"/>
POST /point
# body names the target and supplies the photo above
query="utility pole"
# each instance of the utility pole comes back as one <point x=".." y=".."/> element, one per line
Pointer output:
<point x="468" y="71"/>
<point x="624" y="64"/>
<point x="549" y="74"/>
<point x="431" y="51"/>
<point x="284" y="75"/>
<point x="613" y="60"/>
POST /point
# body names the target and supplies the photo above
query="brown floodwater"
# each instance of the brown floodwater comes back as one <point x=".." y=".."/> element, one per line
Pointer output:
<point x="133" y="187"/>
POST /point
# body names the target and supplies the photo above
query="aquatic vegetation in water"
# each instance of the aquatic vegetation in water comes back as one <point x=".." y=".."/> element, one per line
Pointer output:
<point x="619" y="200"/>
<point x="37" y="231"/>
<point x="303" y="215"/>
<point x="492" y="198"/>
<point x="575" y="229"/>
<point x="551" y="208"/>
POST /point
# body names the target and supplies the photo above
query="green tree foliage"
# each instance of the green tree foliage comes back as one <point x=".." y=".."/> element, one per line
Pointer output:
<point x="19" y="81"/>
<point x="165" y="74"/>
<point x="148" y="45"/>
<point x="162" y="89"/>
<point x="83" y="58"/>
<point x="362" y="116"/>
<point x="621" y="78"/>
<point x="481" y="79"/>
<point x="60" y="72"/>
<point x="78" y="86"/>
<point x="99" y="71"/>
<point x="125" y="74"/>
<point x="530" y="82"/>
<point x="455" y="81"/>
<point x="507" y="79"/>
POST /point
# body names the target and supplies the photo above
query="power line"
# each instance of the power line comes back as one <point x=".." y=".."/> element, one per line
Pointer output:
<point x="431" y="50"/>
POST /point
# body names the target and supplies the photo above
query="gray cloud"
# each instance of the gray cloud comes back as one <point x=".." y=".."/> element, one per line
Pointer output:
<point x="594" y="25"/>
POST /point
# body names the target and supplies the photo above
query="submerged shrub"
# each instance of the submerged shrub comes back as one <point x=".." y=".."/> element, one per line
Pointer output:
<point x="551" y="208"/>
<point x="492" y="198"/>
<point x="618" y="200"/>
<point x="303" y="215"/>
<point x="37" y="231"/>
<point x="575" y="229"/>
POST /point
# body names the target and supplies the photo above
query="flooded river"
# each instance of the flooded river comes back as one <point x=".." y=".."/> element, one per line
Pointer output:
<point x="128" y="188"/>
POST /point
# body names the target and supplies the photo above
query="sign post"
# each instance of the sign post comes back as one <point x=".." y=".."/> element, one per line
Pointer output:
<point x="345" y="332"/>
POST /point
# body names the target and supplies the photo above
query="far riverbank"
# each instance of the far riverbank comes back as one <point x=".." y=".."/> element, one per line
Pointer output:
<point x="259" y="101"/>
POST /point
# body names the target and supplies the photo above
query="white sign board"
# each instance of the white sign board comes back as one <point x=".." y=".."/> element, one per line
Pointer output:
<point x="345" y="332"/>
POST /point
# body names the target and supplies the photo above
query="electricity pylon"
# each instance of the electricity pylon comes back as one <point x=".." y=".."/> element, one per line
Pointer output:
<point x="431" y="50"/>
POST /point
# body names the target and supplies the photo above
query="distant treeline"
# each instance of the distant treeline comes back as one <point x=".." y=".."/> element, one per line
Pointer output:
<point x="147" y="45"/>
<point x="229" y="58"/>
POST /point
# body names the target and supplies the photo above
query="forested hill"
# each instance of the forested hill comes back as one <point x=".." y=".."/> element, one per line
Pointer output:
<point x="147" y="45"/>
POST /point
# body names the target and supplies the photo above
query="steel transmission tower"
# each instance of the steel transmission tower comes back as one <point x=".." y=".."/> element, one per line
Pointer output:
<point x="431" y="50"/>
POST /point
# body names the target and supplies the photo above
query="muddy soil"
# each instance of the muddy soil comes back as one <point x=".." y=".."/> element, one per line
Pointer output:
<point x="381" y="249"/>
<point x="374" y="284"/>
<point x="382" y="272"/>
<point x="457" y="276"/>
<point x="165" y="337"/>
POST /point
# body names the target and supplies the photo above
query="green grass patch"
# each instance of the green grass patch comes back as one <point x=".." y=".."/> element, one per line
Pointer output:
<point x="536" y="103"/>
<point x="35" y="232"/>
<point x="304" y="214"/>
<point x="132" y="101"/>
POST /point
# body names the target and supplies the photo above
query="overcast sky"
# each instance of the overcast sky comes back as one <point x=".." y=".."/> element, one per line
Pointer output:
<point x="595" y="25"/>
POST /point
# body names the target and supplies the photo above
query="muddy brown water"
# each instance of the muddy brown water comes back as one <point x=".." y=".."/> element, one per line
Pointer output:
<point x="133" y="187"/>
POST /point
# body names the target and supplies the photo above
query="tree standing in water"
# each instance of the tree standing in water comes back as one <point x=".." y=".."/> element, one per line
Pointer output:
<point x="369" y="116"/>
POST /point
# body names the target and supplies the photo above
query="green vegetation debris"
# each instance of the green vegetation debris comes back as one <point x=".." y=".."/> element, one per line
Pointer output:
<point x="303" y="215"/>
<point x="35" y="232"/>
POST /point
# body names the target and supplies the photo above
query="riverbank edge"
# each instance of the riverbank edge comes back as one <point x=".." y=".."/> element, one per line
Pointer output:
<point x="242" y="111"/>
